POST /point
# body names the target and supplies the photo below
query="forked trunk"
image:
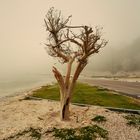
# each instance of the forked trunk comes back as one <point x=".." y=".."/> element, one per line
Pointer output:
<point x="66" y="88"/>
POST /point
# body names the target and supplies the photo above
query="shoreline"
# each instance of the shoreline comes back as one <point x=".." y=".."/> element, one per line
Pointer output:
<point x="28" y="91"/>
<point x="123" y="79"/>
<point x="23" y="93"/>
<point x="17" y="93"/>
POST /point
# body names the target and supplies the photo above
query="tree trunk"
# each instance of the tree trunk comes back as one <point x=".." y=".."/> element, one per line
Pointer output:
<point x="64" y="110"/>
<point x="66" y="88"/>
<point x="65" y="102"/>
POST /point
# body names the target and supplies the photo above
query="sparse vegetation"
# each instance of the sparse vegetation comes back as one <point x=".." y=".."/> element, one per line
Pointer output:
<point x="133" y="120"/>
<point x="80" y="133"/>
<point x="84" y="133"/>
<point x="32" y="132"/>
<point x="87" y="94"/>
<point x="99" y="118"/>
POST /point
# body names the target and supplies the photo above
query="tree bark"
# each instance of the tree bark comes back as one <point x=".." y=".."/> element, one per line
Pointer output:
<point x="64" y="110"/>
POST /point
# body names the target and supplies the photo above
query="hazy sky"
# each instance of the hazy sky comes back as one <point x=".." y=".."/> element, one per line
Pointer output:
<point x="22" y="31"/>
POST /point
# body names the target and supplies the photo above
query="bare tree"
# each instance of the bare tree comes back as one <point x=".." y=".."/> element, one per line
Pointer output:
<point x="70" y="44"/>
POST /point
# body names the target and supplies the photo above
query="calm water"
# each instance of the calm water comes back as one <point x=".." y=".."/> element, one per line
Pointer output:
<point x="20" y="83"/>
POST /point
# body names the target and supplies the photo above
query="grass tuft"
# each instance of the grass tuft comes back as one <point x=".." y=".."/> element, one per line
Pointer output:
<point x="83" y="133"/>
<point x="99" y="118"/>
<point x="33" y="133"/>
<point x="133" y="120"/>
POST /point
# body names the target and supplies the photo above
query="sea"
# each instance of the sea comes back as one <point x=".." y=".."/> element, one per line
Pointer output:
<point x="17" y="84"/>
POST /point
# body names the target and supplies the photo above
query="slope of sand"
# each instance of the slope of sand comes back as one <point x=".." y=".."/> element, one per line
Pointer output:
<point x="17" y="115"/>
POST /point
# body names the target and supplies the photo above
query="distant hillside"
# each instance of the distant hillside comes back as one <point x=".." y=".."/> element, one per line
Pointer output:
<point x="126" y="59"/>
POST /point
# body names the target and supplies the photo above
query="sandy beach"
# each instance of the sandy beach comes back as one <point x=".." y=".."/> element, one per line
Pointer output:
<point x="17" y="115"/>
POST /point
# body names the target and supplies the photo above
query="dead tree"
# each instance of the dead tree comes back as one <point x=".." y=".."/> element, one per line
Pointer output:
<point x="70" y="44"/>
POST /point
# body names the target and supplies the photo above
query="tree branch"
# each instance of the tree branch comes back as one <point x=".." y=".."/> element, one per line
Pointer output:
<point x="59" y="78"/>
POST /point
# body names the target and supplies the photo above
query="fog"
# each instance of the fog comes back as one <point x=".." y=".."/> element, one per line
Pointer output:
<point x="22" y="34"/>
<point x="124" y="59"/>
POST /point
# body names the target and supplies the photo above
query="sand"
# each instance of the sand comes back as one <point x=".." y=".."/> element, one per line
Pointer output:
<point x="17" y="115"/>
